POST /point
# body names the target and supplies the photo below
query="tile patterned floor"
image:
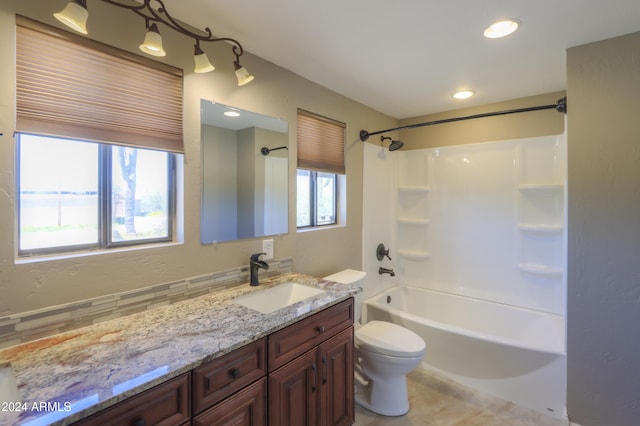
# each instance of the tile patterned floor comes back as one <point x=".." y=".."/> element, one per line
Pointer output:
<point x="439" y="402"/>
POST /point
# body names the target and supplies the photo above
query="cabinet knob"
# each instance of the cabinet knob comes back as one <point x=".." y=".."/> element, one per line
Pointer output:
<point x="139" y="422"/>
<point x="320" y="329"/>
<point x="235" y="373"/>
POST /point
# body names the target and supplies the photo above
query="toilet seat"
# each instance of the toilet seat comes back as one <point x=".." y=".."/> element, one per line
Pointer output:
<point x="389" y="339"/>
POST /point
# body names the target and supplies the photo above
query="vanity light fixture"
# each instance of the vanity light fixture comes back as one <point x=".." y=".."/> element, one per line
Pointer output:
<point x="152" y="43"/>
<point x="502" y="28"/>
<point x="231" y="113"/>
<point x="75" y="15"/>
<point x="463" y="94"/>
<point x="201" y="59"/>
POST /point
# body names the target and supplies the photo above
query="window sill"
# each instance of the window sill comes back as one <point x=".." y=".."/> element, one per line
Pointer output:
<point x="86" y="253"/>
<point x="319" y="228"/>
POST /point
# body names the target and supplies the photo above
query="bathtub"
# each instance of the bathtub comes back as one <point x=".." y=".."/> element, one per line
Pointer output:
<point x="513" y="353"/>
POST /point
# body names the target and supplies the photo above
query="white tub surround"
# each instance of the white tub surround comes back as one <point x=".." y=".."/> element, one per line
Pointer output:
<point x="485" y="220"/>
<point x="485" y="223"/>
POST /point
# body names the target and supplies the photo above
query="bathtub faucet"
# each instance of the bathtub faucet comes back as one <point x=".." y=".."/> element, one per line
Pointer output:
<point x="382" y="270"/>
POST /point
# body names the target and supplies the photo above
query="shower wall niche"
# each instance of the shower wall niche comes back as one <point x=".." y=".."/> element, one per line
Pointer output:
<point x="541" y="204"/>
<point x="413" y="208"/>
<point x="485" y="220"/>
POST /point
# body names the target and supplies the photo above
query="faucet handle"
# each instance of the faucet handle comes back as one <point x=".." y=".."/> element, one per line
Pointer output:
<point x="381" y="252"/>
<point x="256" y="257"/>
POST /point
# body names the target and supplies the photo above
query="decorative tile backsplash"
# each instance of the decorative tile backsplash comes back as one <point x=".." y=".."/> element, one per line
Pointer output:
<point x="23" y="327"/>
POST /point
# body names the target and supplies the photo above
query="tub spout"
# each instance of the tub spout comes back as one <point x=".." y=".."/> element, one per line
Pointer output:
<point x="382" y="270"/>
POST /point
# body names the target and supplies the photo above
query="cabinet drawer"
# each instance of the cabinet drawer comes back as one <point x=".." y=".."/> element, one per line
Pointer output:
<point x="165" y="405"/>
<point x="221" y="377"/>
<point x="288" y="343"/>
<point x="246" y="408"/>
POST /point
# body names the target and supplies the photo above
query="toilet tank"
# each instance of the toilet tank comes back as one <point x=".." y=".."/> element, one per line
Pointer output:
<point x="348" y="276"/>
<point x="352" y="277"/>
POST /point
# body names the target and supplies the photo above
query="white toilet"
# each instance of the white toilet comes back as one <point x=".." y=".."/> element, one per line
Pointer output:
<point x="384" y="354"/>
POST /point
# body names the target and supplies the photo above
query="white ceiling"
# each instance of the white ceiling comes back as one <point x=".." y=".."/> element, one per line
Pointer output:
<point x="405" y="57"/>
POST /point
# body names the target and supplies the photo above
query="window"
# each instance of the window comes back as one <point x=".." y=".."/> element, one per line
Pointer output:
<point x="98" y="131"/>
<point x="316" y="198"/>
<point x="320" y="166"/>
<point x="76" y="195"/>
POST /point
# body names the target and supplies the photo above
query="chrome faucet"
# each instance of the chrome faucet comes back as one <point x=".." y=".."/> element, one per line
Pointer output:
<point x="254" y="265"/>
<point x="382" y="270"/>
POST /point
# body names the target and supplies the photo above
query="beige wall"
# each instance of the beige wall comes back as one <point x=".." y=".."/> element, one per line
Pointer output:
<point x="277" y="92"/>
<point x="603" y="204"/>
<point x="603" y="87"/>
<point x="504" y="127"/>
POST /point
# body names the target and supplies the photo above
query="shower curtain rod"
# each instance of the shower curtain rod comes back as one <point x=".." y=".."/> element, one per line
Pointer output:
<point x="560" y="106"/>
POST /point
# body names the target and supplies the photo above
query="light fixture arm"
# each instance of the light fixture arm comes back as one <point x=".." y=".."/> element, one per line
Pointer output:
<point x="160" y="14"/>
<point x="75" y="15"/>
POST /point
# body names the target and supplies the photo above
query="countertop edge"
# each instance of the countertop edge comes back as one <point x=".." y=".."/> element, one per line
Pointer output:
<point x="217" y="307"/>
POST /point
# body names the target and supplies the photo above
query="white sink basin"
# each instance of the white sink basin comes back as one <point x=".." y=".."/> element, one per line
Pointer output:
<point x="278" y="297"/>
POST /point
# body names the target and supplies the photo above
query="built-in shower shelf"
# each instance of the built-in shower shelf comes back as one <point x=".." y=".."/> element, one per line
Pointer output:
<point x="414" y="254"/>
<point x="540" y="228"/>
<point x="542" y="270"/>
<point x="540" y="188"/>
<point x="414" y="189"/>
<point x="413" y="221"/>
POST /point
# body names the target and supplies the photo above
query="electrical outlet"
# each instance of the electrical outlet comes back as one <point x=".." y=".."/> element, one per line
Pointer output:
<point x="267" y="248"/>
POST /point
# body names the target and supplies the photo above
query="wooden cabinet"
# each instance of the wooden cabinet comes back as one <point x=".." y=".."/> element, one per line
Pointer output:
<point x="300" y="375"/>
<point x="311" y="370"/>
<point x="164" y="405"/>
<point x="246" y="407"/>
<point x="337" y="397"/>
<point x="293" y="392"/>
<point x="288" y="343"/>
<point x="218" y="379"/>
<point x="231" y="390"/>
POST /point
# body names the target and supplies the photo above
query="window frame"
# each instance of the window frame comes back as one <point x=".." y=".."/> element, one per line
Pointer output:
<point x="313" y="200"/>
<point x="104" y="210"/>
<point x="107" y="166"/>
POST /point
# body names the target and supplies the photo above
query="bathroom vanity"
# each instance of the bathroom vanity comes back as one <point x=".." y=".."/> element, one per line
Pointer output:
<point x="239" y="367"/>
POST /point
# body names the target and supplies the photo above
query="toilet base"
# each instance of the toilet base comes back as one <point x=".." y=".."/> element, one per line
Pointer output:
<point x="398" y="407"/>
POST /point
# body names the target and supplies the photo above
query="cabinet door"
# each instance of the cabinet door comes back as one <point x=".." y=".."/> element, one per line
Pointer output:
<point x="164" y="405"/>
<point x="293" y="392"/>
<point x="245" y="408"/>
<point x="336" y="377"/>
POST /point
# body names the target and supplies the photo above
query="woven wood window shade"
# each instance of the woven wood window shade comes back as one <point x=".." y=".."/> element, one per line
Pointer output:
<point x="320" y="143"/>
<point x="74" y="87"/>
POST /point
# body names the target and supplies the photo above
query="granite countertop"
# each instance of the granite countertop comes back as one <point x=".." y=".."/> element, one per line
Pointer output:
<point x="69" y="376"/>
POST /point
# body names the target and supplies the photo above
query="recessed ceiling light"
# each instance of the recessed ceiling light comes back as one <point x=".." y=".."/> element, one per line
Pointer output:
<point x="463" y="94"/>
<point x="502" y="28"/>
<point x="232" y="114"/>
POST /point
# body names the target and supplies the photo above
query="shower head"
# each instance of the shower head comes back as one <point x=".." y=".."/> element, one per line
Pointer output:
<point x="395" y="145"/>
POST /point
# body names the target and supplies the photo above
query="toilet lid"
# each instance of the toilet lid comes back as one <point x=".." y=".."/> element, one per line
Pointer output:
<point x="389" y="339"/>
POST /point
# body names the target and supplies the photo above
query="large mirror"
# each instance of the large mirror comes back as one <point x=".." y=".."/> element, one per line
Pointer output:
<point x="244" y="174"/>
